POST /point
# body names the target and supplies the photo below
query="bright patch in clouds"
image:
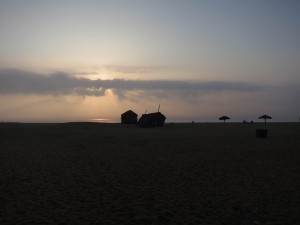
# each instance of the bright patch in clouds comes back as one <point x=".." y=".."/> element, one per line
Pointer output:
<point x="62" y="96"/>
<point x="198" y="59"/>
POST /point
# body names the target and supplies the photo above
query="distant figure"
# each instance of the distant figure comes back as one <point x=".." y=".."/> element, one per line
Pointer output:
<point x="193" y="122"/>
<point x="251" y="122"/>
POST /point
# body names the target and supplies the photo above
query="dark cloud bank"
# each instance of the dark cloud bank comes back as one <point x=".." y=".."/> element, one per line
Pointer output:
<point x="22" y="82"/>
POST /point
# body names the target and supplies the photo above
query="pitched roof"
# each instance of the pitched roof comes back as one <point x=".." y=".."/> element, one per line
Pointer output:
<point x="129" y="112"/>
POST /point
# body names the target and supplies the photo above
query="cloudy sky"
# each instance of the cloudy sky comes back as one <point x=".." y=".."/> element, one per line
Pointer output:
<point x="64" y="60"/>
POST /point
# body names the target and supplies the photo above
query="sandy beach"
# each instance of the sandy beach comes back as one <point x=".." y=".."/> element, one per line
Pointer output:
<point x="93" y="173"/>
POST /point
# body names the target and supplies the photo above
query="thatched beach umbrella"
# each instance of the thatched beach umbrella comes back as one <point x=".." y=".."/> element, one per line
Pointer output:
<point x="265" y="117"/>
<point x="224" y="118"/>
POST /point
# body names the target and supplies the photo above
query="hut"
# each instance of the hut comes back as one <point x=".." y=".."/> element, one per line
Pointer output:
<point x="156" y="119"/>
<point x="129" y="117"/>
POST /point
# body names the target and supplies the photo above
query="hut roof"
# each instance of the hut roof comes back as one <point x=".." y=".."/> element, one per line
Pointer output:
<point x="129" y="113"/>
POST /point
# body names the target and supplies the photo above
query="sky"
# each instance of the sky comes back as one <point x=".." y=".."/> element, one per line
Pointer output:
<point x="64" y="60"/>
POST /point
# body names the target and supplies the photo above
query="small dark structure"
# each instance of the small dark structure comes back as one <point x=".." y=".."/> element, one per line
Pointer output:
<point x="261" y="133"/>
<point x="265" y="117"/>
<point x="224" y="118"/>
<point x="156" y="119"/>
<point x="129" y="117"/>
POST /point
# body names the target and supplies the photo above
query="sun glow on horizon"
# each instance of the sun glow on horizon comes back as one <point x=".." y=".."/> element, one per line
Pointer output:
<point x="62" y="61"/>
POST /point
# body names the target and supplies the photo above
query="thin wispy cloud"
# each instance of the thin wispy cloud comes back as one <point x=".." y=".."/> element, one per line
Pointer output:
<point x="127" y="69"/>
<point x="23" y="82"/>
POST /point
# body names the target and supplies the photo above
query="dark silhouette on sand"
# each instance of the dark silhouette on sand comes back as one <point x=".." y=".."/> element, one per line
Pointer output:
<point x="156" y="119"/>
<point x="224" y="118"/>
<point x="129" y="117"/>
<point x="265" y="117"/>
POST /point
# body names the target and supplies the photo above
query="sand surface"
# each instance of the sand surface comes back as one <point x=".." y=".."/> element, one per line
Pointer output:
<point x="89" y="173"/>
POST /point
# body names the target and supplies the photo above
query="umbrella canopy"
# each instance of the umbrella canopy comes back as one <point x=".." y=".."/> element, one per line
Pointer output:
<point x="224" y="118"/>
<point x="265" y="117"/>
